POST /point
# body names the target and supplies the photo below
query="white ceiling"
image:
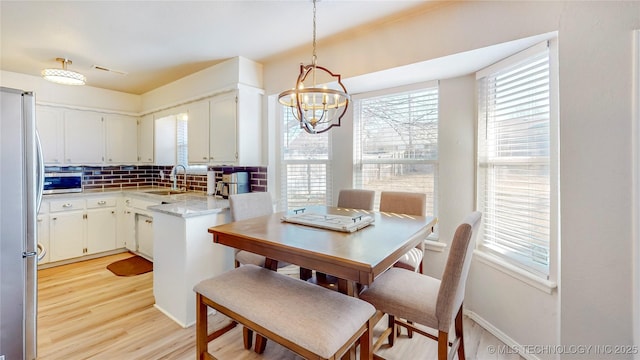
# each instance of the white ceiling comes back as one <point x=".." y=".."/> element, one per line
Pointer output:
<point x="157" y="42"/>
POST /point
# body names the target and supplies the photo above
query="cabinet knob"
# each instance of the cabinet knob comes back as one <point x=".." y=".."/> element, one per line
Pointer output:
<point x="204" y="158"/>
<point x="67" y="206"/>
<point x="102" y="202"/>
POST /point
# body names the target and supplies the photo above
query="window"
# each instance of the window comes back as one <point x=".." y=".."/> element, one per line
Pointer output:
<point x="174" y="143"/>
<point x="396" y="143"/>
<point x="515" y="160"/>
<point x="306" y="165"/>
<point x="182" y="147"/>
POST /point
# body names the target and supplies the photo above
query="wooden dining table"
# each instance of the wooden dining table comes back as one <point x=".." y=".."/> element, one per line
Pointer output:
<point x="353" y="257"/>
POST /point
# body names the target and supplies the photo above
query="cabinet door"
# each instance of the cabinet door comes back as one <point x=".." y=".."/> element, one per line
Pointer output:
<point x="128" y="227"/>
<point x="144" y="234"/>
<point x="198" y="132"/>
<point x="101" y="230"/>
<point x="84" y="137"/>
<point x="121" y="139"/>
<point x="250" y="126"/>
<point x="223" y="145"/>
<point x="43" y="238"/>
<point x="66" y="235"/>
<point x="145" y="139"/>
<point x="50" y="124"/>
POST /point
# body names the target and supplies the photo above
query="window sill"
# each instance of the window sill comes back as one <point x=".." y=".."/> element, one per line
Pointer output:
<point x="544" y="285"/>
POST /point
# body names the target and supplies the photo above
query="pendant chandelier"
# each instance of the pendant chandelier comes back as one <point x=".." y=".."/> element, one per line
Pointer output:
<point x="64" y="76"/>
<point x="318" y="109"/>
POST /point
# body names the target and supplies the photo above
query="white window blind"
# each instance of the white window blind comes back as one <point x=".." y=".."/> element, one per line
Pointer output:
<point x="514" y="186"/>
<point x="182" y="146"/>
<point x="306" y="165"/>
<point x="396" y="143"/>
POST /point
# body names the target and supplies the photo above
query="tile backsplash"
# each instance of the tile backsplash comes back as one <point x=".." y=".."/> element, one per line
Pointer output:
<point x="132" y="176"/>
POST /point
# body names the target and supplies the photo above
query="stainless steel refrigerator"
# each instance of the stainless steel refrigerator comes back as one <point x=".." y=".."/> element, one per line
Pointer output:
<point x="21" y="174"/>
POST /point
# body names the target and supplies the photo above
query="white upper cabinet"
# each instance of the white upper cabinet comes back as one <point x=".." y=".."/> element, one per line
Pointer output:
<point x="121" y="139"/>
<point x="249" y="126"/>
<point x="223" y="130"/>
<point x="84" y="137"/>
<point x="79" y="137"/>
<point x="145" y="139"/>
<point x="226" y="129"/>
<point x="198" y="132"/>
<point x="50" y="124"/>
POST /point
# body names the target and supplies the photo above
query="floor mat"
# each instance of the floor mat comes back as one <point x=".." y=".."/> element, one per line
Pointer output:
<point x="135" y="265"/>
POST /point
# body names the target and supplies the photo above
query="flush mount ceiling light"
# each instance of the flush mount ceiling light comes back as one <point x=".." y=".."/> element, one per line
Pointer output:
<point x="318" y="109"/>
<point x="64" y="76"/>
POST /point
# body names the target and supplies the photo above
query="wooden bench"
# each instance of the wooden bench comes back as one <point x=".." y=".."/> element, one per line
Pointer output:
<point x="314" y="322"/>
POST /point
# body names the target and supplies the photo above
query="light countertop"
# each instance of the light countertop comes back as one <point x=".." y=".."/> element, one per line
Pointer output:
<point x="191" y="206"/>
<point x="188" y="204"/>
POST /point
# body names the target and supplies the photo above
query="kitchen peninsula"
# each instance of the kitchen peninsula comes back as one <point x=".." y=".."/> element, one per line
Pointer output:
<point x="184" y="253"/>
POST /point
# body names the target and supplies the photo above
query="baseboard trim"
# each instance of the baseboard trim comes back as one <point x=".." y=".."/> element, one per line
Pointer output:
<point x="81" y="258"/>
<point x="506" y="339"/>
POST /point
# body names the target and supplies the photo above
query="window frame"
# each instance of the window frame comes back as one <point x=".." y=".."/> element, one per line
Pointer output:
<point x="358" y="161"/>
<point x="546" y="279"/>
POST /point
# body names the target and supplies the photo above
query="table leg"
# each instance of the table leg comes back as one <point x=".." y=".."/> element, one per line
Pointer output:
<point x="347" y="287"/>
<point x="305" y="274"/>
<point x="271" y="264"/>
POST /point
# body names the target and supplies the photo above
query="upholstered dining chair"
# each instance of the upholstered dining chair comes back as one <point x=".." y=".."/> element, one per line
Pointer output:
<point x="408" y="203"/>
<point x="421" y="299"/>
<point x="246" y="206"/>
<point x="356" y="199"/>
<point x="349" y="199"/>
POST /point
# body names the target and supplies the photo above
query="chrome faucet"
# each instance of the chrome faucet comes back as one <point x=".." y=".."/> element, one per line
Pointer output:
<point x="174" y="174"/>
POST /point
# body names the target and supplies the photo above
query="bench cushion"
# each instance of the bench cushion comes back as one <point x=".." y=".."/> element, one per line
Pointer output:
<point x="315" y="318"/>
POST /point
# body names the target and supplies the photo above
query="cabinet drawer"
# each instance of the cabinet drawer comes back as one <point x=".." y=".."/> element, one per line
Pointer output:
<point x="66" y="205"/>
<point x="101" y="203"/>
<point x="139" y="204"/>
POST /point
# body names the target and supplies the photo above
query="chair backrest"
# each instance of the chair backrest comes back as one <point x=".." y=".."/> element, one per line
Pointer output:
<point x="403" y="203"/>
<point x="249" y="205"/>
<point x="356" y="199"/>
<point x="454" y="277"/>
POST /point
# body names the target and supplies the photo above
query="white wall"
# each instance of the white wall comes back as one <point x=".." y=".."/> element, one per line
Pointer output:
<point x="594" y="301"/>
<point x="76" y="96"/>
<point x="220" y="77"/>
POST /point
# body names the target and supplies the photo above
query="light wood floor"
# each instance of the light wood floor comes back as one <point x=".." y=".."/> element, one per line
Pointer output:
<point x="86" y="312"/>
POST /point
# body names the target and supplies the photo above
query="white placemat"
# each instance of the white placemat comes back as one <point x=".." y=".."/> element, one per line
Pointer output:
<point x="341" y="223"/>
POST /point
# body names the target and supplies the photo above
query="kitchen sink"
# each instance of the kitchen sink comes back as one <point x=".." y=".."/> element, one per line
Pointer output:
<point x="165" y="192"/>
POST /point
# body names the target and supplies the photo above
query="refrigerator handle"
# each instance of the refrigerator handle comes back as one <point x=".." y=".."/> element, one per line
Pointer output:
<point x="40" y="172"/>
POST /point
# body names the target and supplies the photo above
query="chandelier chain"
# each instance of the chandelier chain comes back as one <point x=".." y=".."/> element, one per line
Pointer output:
<point x="314" y="57"/>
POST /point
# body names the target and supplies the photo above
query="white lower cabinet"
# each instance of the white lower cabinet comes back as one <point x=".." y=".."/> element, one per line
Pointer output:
<point x="43" y="233"/>
<point x="144" y="235"/>
<point x="67" y="235"/>
<point x="79" y="227"/>
<point x="137" y="226"/>
<point x="127" y="226"/>
<point x="101" y="225"/>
